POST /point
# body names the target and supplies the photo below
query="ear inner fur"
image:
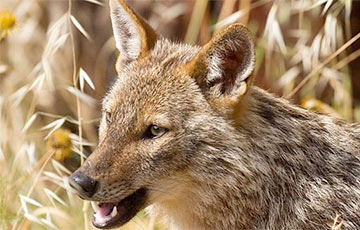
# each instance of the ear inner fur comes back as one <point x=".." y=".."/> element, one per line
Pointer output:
<point x="230" y="53"/>
<point x="146" y="34"/>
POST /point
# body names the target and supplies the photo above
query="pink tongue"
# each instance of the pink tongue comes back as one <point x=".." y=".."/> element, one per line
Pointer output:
<point x="105" y="209"/>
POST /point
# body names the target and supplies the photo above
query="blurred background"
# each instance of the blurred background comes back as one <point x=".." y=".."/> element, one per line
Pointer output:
<point x="57" y="61"/>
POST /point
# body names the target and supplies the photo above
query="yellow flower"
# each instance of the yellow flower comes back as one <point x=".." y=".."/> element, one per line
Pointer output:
<point x="7" y="22"/>
<point x="60" y="143"/>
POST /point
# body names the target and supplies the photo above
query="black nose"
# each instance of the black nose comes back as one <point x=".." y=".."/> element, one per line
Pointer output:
<point x="84" y="185"/>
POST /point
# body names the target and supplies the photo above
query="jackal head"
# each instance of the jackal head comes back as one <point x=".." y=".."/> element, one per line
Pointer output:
<point x="168" y="101"/>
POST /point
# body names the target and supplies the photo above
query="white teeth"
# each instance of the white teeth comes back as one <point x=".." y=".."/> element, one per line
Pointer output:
<point x="95" y="206"/>
<point x="114" y="212"/>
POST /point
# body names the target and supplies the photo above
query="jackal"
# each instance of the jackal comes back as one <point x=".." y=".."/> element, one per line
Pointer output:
<point x="185" y="135"/>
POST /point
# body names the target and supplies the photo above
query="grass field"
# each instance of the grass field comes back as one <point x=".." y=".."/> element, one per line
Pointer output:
<point x="57" y="60"/>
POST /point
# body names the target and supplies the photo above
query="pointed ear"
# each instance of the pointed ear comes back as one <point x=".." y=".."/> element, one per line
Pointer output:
<point x="133" y="36"/>
<point x="223" y="68"/>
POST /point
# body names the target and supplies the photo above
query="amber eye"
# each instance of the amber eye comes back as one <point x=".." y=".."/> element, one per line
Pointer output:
<point x="154" y="131"/>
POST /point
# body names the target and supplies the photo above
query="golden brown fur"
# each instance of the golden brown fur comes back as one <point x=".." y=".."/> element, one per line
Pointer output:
<point x="235" y="156"/>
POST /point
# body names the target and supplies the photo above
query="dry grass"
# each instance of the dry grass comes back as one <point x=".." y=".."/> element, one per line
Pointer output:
<point x="57" y="60"/>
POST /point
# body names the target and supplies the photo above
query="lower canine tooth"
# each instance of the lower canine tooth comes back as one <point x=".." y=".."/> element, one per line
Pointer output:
<point x="114" y="212"/>
<point x="95" y="206"/>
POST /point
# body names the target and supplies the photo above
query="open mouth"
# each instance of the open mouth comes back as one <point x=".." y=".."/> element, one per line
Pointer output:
<point x="110" y="215"/>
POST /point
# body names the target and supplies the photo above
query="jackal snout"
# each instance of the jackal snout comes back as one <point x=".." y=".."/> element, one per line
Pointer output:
<point x="83" y="184"/>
